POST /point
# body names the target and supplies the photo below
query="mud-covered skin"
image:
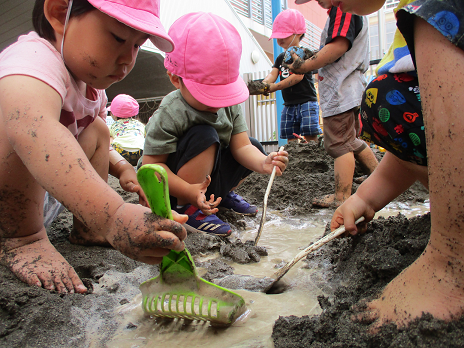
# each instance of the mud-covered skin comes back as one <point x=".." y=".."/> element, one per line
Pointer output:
<point x="297" y="62"/>
<point x="35" y="261"/>
<point x="256" y="87"/>
<point x="144" y="238"/>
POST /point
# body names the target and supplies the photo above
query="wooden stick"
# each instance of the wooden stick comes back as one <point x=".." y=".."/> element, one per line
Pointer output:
<point x="263" y="216"/>
<point x="332" y="235"/>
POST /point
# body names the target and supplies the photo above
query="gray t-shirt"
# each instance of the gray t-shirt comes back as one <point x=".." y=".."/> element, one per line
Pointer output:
<point x="175" y="116"/>
<point x="342" y="83"/>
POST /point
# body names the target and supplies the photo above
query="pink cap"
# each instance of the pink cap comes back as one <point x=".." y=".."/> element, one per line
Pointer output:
<point x="142" y="15"/>
<point x="287" y="23"/>
<point x="207" y="57"/>
<point x="124" y="106"/>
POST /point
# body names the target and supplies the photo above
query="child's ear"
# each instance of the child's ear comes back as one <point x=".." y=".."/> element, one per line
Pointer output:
<point x="175" y="80"/>
<point x="55" y="12"/>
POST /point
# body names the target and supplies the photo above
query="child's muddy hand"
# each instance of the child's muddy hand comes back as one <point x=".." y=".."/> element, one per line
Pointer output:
<point x="136" y="188"/>
<point x="143" y="236"/>
<point x="208" y="207"/>
<point x="199" y="200"/>
<point x="278" y="160"/>
<point x="347" y="213"/>
<point x="295" y="64"/>
<point x="38" y="263"/>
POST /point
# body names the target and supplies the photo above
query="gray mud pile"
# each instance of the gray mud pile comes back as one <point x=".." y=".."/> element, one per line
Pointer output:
<point x="309" y="175"/>
<point x="35" y="317"/>
<point x="359" y="267"/>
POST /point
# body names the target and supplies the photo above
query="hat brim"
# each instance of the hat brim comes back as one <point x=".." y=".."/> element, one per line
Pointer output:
<point x="140" y="20"/>
<point x="218" y="96"/>
<point x="280" y="35"/>
<point x="300" y="2"/>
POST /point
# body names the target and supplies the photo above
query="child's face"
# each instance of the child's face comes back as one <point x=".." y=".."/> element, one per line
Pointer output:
<point x="292" y="40"/>
<point x="359" y="7"/>
<point x="99" y="50"/>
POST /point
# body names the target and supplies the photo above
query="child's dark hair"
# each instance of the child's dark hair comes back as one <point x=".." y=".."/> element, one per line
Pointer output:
<point x="41" y="24"/>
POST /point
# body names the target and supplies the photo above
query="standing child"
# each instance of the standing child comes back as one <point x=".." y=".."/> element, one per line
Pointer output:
<point x="199" y="131"/>
<point x="432" y="31"/>
<point x="342" y="61"/>
<point x="127" y="134"/>
<point x="54" y="138"/>
<point x="300" y="114"/>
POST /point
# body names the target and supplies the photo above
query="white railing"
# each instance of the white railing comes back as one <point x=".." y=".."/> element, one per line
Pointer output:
<point x="259" y="11"/>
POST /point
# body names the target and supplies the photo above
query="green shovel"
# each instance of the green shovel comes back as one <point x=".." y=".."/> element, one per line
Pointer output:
<point x="178" y="291"/>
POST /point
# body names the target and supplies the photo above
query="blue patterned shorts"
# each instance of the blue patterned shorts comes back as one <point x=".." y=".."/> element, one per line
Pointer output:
<point x="391" y="117"/>
<point x="302" y="119"/>
<point x="447" y="16"/>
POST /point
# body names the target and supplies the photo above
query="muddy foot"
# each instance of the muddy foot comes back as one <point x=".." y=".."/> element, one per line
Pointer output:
<point x="35" y="261"/>
<point x="327" y="201"/>
<point x="429" y="285"/>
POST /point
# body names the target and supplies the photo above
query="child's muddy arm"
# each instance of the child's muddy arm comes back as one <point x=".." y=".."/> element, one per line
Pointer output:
<point x="250" y="157"/>
<point x="31" y="111"/>
<point x="327" y="55"/>
<point x="391" y="178"/>
<point x="126" y="174"/>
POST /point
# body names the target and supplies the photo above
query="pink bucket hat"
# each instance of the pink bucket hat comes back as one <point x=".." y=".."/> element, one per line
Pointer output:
<point x="287" y="23"/>
<point x="207" y="57"/>
<point x="124" y="106"/>
<point x="142" y="15"/>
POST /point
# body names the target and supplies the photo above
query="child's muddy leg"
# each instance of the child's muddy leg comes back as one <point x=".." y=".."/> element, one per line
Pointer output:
<point x="95" y="141"/>
<point x="434" y="283"/>
<point x="24" y="245"/>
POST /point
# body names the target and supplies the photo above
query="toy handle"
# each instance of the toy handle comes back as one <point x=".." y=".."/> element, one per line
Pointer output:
<point x="154" y="182"/>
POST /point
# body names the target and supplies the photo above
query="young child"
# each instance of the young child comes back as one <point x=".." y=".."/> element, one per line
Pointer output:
<point x="199" y="131"/>
<point x="54" y="138"/>
<point x="300" y="114"/>
<point x="341" y="63"/>
<point x="127" y="134"/>
<point x="434" y="34"/>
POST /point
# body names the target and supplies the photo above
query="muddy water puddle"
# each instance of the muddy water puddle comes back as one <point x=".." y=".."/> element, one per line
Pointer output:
<point x="283" y="238"/>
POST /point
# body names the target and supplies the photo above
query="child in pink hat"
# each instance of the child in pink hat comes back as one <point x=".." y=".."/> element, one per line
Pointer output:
<point x="199" y="131"/>
<point x="300" y="114"/>
<point x="127" y="134"/>
<point x="54" y="138"/>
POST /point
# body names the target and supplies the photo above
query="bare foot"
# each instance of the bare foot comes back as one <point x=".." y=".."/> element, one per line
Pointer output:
<point x="35" y="261"/>
<point x="82" y="235"/>
<point x="327" y="201"/>
<point x="432" y="284"/>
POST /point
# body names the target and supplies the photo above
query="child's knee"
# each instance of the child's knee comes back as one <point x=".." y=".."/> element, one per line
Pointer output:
<point x="94" y="137"/>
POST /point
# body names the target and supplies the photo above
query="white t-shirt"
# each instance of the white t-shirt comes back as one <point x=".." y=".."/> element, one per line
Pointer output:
<point x="36" y="57"/>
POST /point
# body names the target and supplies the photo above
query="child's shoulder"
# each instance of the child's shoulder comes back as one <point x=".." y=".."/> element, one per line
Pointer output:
<point x="31" y="47"/>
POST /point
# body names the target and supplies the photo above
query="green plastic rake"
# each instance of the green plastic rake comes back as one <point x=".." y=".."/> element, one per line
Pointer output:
<point x="178" y="291"/>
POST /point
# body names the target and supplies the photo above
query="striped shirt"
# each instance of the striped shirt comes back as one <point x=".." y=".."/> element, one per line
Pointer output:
<point x="342" y="83"/>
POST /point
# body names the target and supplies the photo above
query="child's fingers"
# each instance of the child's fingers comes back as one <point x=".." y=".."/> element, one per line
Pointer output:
<point x="180" y="218"/>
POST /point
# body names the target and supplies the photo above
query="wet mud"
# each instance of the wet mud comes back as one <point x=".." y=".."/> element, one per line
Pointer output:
<point x="357" y="268"/>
